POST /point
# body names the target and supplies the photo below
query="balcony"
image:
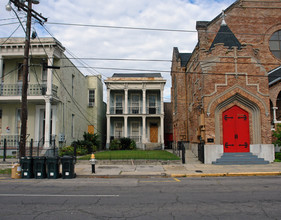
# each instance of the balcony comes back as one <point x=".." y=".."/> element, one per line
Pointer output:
<point x="152" y="110"/>
<point x="135" y="110"/>
<point x="11" y="140"/>
<point x="33" y="90"/>
<point x="116" y="110"/>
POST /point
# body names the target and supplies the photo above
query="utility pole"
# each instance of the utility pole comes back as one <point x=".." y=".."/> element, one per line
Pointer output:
<point x="25" y="83"/>
<point x="20" y="4"/>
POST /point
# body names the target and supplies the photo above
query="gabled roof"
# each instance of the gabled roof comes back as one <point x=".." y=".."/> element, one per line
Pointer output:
<point x="184" y="58"/>
<point x="226" y="36"/>
<point x="121" y="75"/>
<point x="274" y="76"/>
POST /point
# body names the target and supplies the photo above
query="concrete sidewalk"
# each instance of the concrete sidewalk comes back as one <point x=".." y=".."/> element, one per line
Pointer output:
<point x="184" y="170"/>
<point x="192" y="168"/>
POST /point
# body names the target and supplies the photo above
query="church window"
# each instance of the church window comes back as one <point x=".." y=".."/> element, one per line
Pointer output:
<point x="275" y="44"/>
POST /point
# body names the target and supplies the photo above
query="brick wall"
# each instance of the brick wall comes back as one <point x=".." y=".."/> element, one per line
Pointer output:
<point x="219" y="78"/>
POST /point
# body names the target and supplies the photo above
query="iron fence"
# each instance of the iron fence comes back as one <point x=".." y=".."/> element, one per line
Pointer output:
<point x="10" y="147"/>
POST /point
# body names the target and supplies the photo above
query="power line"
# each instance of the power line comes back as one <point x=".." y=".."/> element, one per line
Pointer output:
<point x="78" y="106"/>
<point x="9" y="23"/>
<point x="10" y="35"/>
<point x="6" y="19"/>
<point x="166" y="71"/>
<point x="120" y="59"/>
<point x="147" y="29"/>
<point x="122" y="27"/>
<point x="163" y="60"/>
<point x="141" y="28"/>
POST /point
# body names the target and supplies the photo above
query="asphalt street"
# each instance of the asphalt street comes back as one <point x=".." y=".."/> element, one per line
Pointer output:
<point x="141" y="198"/>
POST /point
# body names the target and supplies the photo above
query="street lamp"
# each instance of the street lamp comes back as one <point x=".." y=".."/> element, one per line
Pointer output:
<point x="8" y="6"/>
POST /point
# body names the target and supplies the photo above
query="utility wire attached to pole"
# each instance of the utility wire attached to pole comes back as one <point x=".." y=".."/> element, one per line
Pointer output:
<point x="30" y="13"/>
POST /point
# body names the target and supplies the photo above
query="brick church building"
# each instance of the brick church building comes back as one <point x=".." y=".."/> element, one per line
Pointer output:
<point x="226" y="93"/>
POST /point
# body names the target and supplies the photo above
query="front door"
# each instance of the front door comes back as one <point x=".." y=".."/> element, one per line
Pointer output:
<point x="153" y="133"/>
<point x="236" y="137"/>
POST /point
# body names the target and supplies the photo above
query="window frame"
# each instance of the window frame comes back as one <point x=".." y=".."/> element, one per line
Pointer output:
<point x="91" y="97"/>
<point x="275" y="44"/>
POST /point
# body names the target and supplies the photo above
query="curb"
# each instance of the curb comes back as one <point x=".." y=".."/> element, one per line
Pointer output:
<point x="165" y="175"/>
<point x="120" y="176"/>
<point x="228" y="174"/>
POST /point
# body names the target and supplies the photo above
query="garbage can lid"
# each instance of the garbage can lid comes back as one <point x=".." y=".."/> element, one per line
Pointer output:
<point x="39" y="158"/>
<point x="26" y="158"/>
<point x="67" y="157"/>
<point x="53" y="158"/>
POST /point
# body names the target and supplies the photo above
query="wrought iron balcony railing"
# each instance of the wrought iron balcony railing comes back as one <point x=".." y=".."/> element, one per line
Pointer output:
<point x="33" y="90"/>
<point x="153" y="110"/>
<point x="135" y="110"/>
<point x="116" y="110"/>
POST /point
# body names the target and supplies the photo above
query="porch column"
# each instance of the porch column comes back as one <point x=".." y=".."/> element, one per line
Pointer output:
<point x="49" y="76"/>
<point x="125" y="126"/>
<point x="162" y="131"/>
<point x="1" y="69"/>
<point x="107" y="132"/>
<point x="48" y="103"/>
<point x="143" y="130"/>
<point x="47" y="122"/>
<point x="274" y="114"/>
<point x="162" y="102"/>
<point x="126" y="102"/>
<point x="108" y="102"/>
<point x="143" y="101"/>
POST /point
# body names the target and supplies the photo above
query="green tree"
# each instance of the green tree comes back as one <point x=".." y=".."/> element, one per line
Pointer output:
<point x="277" y="135"/>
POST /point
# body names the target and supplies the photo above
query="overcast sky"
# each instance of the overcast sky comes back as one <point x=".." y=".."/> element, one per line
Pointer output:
<point x="109" y="42"/>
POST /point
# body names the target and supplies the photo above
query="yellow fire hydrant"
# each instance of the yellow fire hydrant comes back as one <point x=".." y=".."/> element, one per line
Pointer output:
<point x="93" y="162"/>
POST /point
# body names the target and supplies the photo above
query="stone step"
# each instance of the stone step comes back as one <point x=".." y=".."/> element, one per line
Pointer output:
<point x="239" y="159"/>
<point x="240" y="162"/>
<point x="153" y="146"/>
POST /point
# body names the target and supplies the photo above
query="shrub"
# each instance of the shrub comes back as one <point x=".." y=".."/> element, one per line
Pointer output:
<point x="133" y="145"/>
<point x="92" y="138"/>
<point x="90" y="142"/>
<point x="69" y="151"/>
<point x="122" y="144"/>
<point x="125" y="143"/>
<point x="277" y="135"/>
<point x="115" y="145"/>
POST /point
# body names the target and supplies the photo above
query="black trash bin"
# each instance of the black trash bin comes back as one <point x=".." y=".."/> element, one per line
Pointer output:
<point x="68" y="167"/>
<point x="39" y="167"/>
<point x="53" y="167"/>
<point x="26" y="164"/>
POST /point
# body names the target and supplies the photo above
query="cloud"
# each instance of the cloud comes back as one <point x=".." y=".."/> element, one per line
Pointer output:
<point x="95" y="42"/>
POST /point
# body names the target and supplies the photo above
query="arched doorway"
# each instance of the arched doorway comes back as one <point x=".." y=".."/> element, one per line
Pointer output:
<point x="236" y="135"/>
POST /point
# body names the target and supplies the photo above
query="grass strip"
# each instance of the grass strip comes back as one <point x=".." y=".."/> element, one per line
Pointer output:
<point x="277" y="157"/>
<point x="132" y="155"/>
<point x="5" y="171"/>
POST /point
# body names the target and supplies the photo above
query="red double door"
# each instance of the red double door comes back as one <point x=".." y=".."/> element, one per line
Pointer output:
<point x="236" y="137"/>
